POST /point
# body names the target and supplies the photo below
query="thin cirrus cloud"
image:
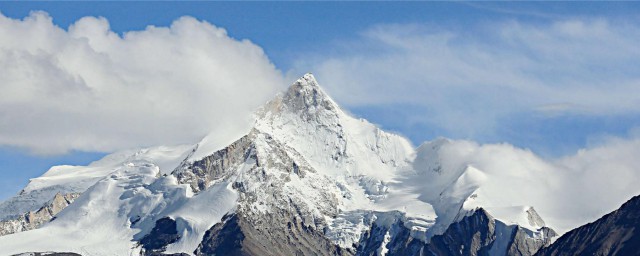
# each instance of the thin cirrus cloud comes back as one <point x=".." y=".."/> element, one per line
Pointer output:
<point x="469" y="79"/>
<point x="90" y="89"/>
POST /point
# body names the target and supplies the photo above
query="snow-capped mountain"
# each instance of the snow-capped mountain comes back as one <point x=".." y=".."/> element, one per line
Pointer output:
<point x="306" y="179"/>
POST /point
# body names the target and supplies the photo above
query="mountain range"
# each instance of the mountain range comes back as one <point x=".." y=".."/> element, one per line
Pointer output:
<point x="308" y="178"/>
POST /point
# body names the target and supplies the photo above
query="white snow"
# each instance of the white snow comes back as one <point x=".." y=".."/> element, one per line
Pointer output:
<point x="333" y="142"/>
<point x="218" y="140"/>
<point x="382" y="251"/>
<point x="100" y="221"/>
<point x="200" y="213"/>
<point x="76" y="179"/>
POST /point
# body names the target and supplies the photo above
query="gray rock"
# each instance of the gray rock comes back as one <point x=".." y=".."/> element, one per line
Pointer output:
<point x="274" y="234"/>
<point x="201" y="173"/>
<point x="476" y="234"/>
<point x="617" y="233"/>
<point x="162" y="234"/>
<point x="34" y="219"/>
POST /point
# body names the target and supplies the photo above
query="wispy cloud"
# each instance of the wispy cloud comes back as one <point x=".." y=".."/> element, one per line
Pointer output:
<point x="470" y="79"/>
<point x="492" y="7"/>
<point x="89" y="89"/>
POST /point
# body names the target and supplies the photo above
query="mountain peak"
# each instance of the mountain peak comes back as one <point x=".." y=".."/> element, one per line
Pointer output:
<point x="308" y="79"/>
<point x="304" y="97"/>
<point x="306" y="94"/>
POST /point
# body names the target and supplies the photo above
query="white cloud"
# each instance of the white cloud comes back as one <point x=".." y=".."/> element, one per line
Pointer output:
<point x="88" y="88"/>
<point x="567" y="192"/>
<point x="468" y="78"/>
<point x="602" y="177"/>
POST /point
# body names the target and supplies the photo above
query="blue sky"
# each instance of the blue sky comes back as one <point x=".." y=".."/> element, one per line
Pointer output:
<point x="521" y="56"/>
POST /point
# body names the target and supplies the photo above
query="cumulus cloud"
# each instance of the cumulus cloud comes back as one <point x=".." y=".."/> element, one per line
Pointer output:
<point x="601" y="177"/>
<point x="468" y="79"/>
<point x="88" y="88"/>
<point x="567" y="192"/>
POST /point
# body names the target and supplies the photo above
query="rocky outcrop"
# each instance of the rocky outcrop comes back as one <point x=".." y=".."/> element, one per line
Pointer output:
<point x="617" y="233"/>
<point x="199" y="174"/>
<point x="525" y="243"/>
<point x="162" y="234"/>
<point x="476" y="234"/>
<point x="277" y="234"/>
<point x="35" y="219"/>
<point x="473" y="235"/>
<point x="273" y="217"/>
<point x="224" y="238"/>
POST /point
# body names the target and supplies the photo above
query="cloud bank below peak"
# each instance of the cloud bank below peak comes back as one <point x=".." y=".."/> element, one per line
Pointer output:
<point x="90" y="89"/>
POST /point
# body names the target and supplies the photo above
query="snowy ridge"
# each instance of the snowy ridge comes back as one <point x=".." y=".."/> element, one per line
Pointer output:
<point x="122" y="207"/>
<point x="66" y="179"/>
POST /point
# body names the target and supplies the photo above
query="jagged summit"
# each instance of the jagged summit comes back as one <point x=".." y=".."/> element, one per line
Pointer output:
<point x="306" y="94"/>
<point x="335" y="143"/>
<point x="305" y="98"/>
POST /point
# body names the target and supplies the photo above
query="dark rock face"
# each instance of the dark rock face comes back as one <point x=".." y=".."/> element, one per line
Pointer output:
<point x="238" y="235"/>
<point x="163" y="234"/>
<point x="522" y="245"/>
<point x="617" y="233"/>
<point x="473" y="235"/>
<point x="224" y="238"/>
<point x="372" y="242"/>
<point x="199" y="174"/>
<point x="477" y="234"/>
<point x="34" y="219"/>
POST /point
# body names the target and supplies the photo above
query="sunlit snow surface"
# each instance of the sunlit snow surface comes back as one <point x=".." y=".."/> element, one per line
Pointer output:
<point x="122" y="206"/>
<point x="76" y="179"/>
<point x="373" y="175"/>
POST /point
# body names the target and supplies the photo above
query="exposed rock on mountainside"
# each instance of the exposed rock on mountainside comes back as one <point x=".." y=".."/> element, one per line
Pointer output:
<point x="162" y="234"/>
<point x="273" y="215"/>
<point x="280" y="234"/>
<point x="35" y="219"/>
<point x="617" y="233"/>
<point x="476" y="234"/>
<point x="201" y="173"/>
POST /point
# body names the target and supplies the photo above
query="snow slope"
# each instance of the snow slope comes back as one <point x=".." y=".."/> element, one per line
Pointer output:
<point x="123" y="206"/>
<point x="66" y="179"/>
<point x="308" y="120"/>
